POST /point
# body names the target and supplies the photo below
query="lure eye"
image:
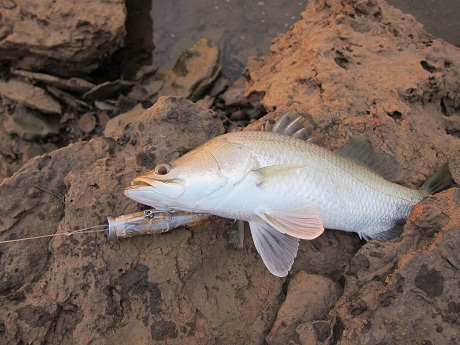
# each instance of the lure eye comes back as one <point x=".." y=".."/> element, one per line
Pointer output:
<point x="162" y="169"/>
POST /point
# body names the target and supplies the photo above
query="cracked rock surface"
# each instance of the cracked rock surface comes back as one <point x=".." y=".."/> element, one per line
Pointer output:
<point x="351" y="69"/>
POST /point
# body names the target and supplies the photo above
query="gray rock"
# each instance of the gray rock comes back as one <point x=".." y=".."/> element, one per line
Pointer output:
<point x="31" y="96"/>
<point x="64" y="38"/>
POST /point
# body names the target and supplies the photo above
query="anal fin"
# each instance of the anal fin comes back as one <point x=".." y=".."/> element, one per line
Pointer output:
<point x="277" y="250"/>
<point x="386" y="235"/>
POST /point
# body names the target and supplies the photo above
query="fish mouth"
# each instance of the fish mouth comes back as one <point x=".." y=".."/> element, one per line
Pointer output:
<point x="146" y="186"/>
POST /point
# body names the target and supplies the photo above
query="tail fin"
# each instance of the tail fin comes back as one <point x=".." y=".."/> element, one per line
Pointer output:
<point x="439" y="181"/>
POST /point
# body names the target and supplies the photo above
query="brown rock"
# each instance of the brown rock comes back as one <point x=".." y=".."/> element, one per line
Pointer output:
<point x="197" y="68"/>
<point x="72" y="84"/>
<point x="30" y="125"/>
<point x="184" y="286"/>
<point x="234" y="95"/>
<point x="64" y="38"/>
<point x="31" y="96"/>
<point x="87" y="122"/>
<point x="352" y="68"/>
<point x="376" y="75"/>
<point x="107" y="90"/>
<point x="115" y="125"/>
<point x="68" y="99"/>
<point x="309" y="297"/>
<point x="409" y="288"/>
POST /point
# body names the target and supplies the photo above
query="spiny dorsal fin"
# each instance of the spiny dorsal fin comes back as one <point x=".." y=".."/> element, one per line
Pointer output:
<point x="288" y="124"/>
<point x="361" y="151"/>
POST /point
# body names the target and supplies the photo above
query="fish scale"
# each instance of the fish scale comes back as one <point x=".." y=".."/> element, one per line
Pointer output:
<point x="349" y="196"/>
<point x="286" y="188"/>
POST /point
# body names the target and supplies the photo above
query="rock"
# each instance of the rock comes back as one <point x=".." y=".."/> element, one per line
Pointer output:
<point x="409" y="288"/>
<point x="118" y="123"/>
<point x="31" y="96"/>
<point x="145" y="72"/>
<point x="125" y="104"/>
<point x="309" y="297"/>
<point x="352" y="69"/>
<point x="106" y="106"/>
<point x="234" y="95"/>
<point x="186" y="286"/>
<point x="146" y="91"/>
<point x="87" y="122"/>
<point x="205" y="102"/>
<point x="30" y="125"/>
<point x="34" y="150"/>
<point x="73" y="84"/>
<point x="67" y="98"/>
<point x="107" y="90"/>
<point x="197" y="68"/>
<point x="351" y="80"/>
<point x="64" y="38"/>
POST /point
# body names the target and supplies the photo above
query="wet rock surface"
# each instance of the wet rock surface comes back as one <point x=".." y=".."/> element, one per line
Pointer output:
<point x="352" y="69"/>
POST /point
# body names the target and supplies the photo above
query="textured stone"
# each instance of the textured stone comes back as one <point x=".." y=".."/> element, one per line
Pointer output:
<point x="63" y="37"/>
<point x="30" y="125"/>
<point x="31" y="96"/>
<point x="309" y="297"/>
<point x="115" y="125"/>
<point x="73" y="84"/>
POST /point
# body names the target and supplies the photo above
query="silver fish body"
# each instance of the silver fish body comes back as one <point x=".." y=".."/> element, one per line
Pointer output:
<point x="286" y="188"/>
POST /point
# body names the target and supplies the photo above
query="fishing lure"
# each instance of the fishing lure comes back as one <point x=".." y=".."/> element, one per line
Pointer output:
<point x="147" y="222"/>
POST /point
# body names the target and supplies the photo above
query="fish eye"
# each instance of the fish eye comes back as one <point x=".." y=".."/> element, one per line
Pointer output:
<point x="162" y="168"/>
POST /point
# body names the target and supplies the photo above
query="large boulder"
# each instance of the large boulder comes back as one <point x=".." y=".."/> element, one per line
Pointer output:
<point x="62" y="37"/>
<point x="362" y="68"/>
<point x="187" y="286"/>
<point x="352" y="69"/>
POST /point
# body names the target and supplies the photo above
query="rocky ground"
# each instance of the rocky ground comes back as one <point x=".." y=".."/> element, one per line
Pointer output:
<point x="352" y="69"/>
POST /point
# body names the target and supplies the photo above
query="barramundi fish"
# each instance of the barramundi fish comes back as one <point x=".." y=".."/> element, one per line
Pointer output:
<point x="285" y="188"/>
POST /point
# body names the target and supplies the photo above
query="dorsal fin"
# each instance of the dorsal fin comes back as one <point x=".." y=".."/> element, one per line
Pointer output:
<point x="361" y="151"/>
<point x="288" y="124"/>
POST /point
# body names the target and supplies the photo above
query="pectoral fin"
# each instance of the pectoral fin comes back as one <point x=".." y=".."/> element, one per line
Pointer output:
<point x="274" y="170"/>
<point x="303" y="222"/>
<point x="277" y="250"/>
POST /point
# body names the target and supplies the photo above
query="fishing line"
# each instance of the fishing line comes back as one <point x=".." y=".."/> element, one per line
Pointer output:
<point x="91" y="229"/>
<point x="134" y="224"/>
